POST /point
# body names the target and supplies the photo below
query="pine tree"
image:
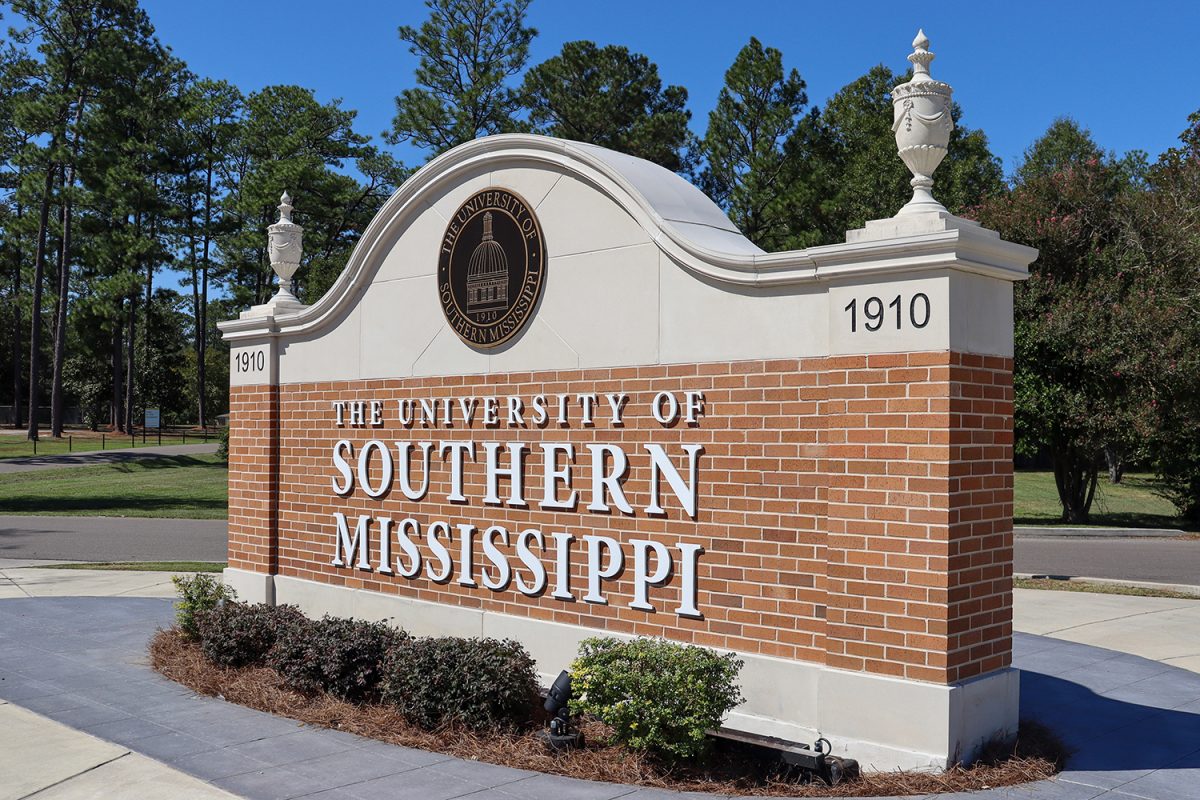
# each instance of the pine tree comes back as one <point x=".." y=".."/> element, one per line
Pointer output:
<point x="747" y="171"/>
<point x="467" y="50"/>
<point x="610" y="97"/>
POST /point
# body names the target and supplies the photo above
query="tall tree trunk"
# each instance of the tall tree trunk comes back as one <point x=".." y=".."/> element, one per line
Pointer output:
<point x="131" y="330"/>
<point x="16" y="335"/>
<point x="35" y="313"/>
<point x="1075" y="476"/>
<point x="116" y="410"/>
<point x="202" y="325"/>
<point x="64" y="284"/>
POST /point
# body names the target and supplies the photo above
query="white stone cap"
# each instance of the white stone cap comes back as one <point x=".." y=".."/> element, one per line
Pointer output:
<point x="687" y="227"/>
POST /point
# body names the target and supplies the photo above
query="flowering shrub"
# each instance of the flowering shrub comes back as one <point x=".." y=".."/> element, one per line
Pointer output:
<point x="657" y="696"/>
<point x="198" y="594"/>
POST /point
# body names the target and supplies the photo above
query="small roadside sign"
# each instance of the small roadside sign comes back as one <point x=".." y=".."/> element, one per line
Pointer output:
<point x="153" y="419"/>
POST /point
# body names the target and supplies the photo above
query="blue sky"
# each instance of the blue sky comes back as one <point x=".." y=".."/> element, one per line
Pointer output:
<point x="1125" y="70"/>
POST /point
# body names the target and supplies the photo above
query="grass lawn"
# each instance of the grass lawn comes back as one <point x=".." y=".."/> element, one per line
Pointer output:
<point x="144" y="566"/>
<point x="1128" y="504"/>
<point x="86" y="441"/>
<point x="1098" y="588"/>
<point x="193" y="487"/>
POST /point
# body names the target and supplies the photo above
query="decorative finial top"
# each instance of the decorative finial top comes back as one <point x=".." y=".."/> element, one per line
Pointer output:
<point x="920" y="58"/>
<point x="285" y="207"/>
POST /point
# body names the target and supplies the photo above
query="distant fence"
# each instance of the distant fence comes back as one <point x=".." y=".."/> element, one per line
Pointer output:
<point x="71" y="416"/>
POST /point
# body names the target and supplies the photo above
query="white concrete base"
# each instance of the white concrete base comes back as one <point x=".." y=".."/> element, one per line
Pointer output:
<point x="885" y="723"/>
<point x="251" y="587"/>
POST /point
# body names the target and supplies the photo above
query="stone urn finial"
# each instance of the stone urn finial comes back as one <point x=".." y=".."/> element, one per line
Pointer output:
<point x="922" y="123"/>
<point x="285" y="248"/>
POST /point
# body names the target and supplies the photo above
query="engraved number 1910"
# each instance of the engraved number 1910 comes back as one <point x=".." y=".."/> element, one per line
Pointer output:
<point x="876" y="315"/>
<point x="250" y="361"/>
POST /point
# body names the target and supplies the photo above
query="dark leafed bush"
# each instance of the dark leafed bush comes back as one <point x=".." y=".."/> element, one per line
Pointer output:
<point x="240" y="634"/>
<point x="341" y="656"/>
<point x="656" y="695"/>
<point x="479" y="683"/>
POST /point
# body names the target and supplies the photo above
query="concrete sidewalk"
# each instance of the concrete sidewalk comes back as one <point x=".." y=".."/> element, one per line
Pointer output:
<point x="82" y="766"/>
<point x="81" y="662"/>
<point x="24" y="578"/>
<point x="92" y="458"/>
<point x="1157" y="628"/>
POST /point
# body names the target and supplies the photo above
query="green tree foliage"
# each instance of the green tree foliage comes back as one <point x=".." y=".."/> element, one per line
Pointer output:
<point x="853" y="173"/>
<point x="1169" y="241"/>
<point x="1083" y="317"/>
<point x="747" y="171"/>
<point x="610" y="97"/>
<point x="289" y="140"/>
<point x="467" y="51"/>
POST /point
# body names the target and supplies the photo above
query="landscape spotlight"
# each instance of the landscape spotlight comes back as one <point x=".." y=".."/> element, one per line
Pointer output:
<point x="560" y="736"/>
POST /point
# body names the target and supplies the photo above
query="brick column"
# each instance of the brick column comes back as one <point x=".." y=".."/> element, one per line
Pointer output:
<point x="919" y="521"/>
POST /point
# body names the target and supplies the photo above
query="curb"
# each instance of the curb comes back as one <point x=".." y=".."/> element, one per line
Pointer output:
<point x="1053" y="532"/>
<point x="1181" y="588"/>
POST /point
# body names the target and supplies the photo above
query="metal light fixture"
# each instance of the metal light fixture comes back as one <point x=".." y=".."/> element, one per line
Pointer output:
<point x="560" y="736"/>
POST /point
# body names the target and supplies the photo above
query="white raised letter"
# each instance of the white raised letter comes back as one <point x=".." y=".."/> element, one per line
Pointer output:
<point x="376" y="412"/>
<point x="409" y="547"/>
<point x="672" y="413"/>
<point x="616" y="560"/>
<point x="617" y="403"/>
<point x="643" y="579"/>
<point x="404" y="468"/>
<point x="515" y="473"/>
<point x="539" y="409"/>
<point x="343" y="544"/>
<point x="343" y="467"/>
<point x="385" y="463"/>
<point x="661" y="462"/>
<point x="605" y="482"/>
<point x="695" y="405"/>
<point x="385" y="545"/>
<point x="531" y="562"/>
<point x="498" y="559"/>
<point x="690" y="557"/>
<point x="562" y="566"/>
<point x="552" y="475"/>
<point x="466" y="554"/>
<point x="457" y="450"/>
<point x="515" y="407"/>
<point x="439" y="550"/>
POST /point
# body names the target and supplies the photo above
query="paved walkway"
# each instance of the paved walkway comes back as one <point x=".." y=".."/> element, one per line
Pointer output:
<point x="82" y="766"/>
<point x="93" y="458"/>
<point x="112" y="538"/>
<point x="1134" y="722"/>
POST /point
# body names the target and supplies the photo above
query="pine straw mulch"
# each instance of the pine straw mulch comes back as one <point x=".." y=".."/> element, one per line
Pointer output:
<point x="729" y="770"/>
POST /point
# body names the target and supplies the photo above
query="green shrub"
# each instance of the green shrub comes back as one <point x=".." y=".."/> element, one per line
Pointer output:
<point x="198" y="594"/>
<point x="479" y="683"/>
<point x="657" y="696"/>
<point x="223" y="444"/>
<point x="240" y="634"/>
<point x="341" y="656"/>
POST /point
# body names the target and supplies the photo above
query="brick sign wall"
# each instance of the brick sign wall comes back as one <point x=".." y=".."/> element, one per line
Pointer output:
<point x="804" y="457"/>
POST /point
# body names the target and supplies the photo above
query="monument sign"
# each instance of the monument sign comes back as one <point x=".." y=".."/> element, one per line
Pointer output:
<point x="556" y="393"/>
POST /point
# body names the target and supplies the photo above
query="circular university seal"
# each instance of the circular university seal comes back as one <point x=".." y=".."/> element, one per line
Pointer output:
<point x="490" y="267"/>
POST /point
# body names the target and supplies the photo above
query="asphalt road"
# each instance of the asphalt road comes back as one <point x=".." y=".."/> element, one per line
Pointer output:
<point x="94" y="457"/>
<point x="1153" y="560"/>
<point x="112" y="538"/>
<point x="1158" y="560"/>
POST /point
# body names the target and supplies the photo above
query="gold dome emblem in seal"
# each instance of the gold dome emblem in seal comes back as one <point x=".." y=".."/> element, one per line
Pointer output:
<point x="490" y="267"/>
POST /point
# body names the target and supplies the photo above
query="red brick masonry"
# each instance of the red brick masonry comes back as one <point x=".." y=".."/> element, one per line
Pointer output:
<point x="854" y="511"/>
